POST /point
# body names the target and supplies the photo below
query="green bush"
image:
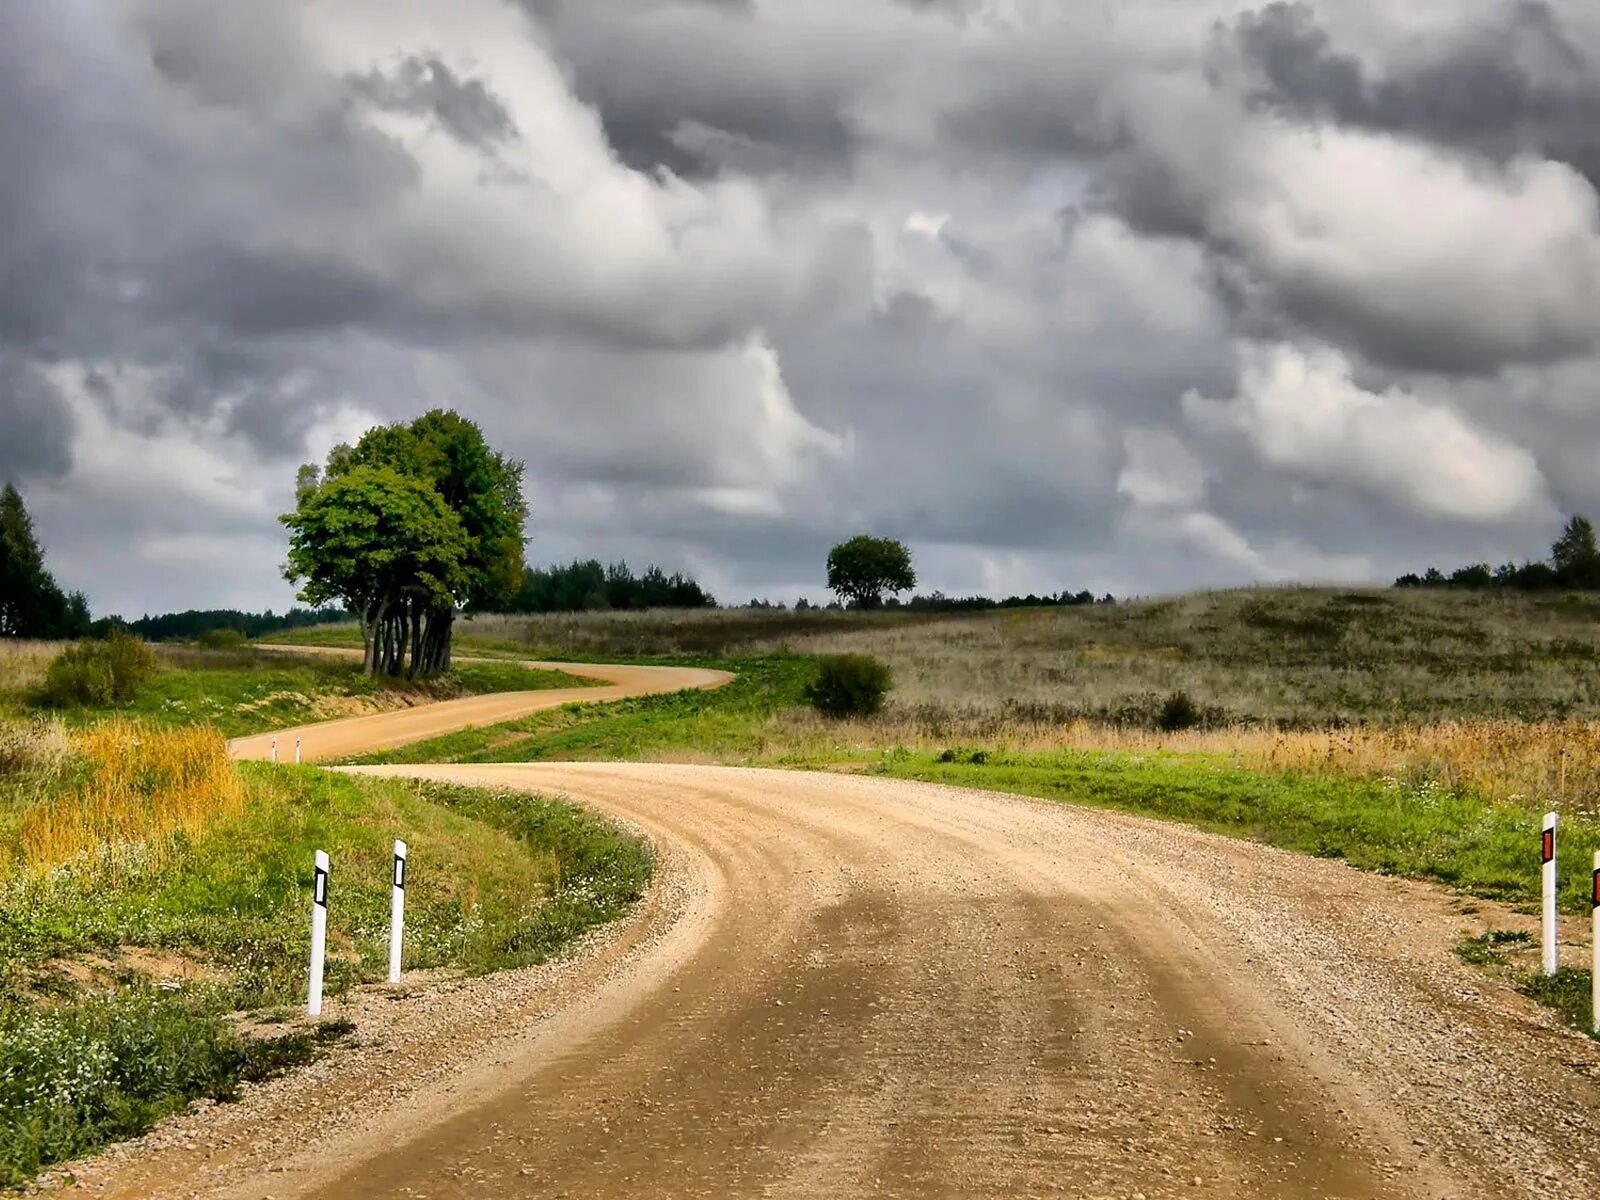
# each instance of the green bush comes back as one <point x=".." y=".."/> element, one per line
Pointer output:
<point x="1179" y="712"/>
<point x="222" y="639"/>
<point x="849" y="685"/>
<point x="99" y="673"/>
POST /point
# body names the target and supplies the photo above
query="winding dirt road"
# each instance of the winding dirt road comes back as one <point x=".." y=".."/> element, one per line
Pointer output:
<point x="387" y="730"/>
<point x="847" y="986"/>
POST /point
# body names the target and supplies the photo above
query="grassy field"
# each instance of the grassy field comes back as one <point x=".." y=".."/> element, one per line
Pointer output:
<point x="245" y="690"/>
<point x="150" y="893"/>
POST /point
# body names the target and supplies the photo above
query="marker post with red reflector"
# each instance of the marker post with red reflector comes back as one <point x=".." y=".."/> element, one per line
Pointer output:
<point x="319" y="933"/>
<point x="397" y="910"/>
<point x="1547" y="855"/>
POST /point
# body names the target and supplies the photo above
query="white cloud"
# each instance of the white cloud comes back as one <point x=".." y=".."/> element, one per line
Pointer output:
<point x="1303" y="412"/>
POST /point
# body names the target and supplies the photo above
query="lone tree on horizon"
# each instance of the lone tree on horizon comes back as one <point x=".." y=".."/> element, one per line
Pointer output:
<point x="862" y="569"/>
<point x="405" y="527"/>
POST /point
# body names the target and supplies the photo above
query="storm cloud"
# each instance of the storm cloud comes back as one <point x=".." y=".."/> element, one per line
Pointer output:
<point x="1133" y="297"/>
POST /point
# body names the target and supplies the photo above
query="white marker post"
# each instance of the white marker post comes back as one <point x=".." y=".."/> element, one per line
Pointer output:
<point x="297" y="752"/>
<point x="319" y="932"/>
<point x="397" y="910"/>
<point x="274" y="749"/>
<point x="1594" y="897"/>
<point x="1547" y="855"/>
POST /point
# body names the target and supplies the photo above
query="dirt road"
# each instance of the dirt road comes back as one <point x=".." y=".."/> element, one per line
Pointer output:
<point x="386" y="730"/>
<point x="845" y="987"/>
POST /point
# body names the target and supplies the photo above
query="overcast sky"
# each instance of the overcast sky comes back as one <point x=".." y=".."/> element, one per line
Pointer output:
<point x="1135" y="295"/>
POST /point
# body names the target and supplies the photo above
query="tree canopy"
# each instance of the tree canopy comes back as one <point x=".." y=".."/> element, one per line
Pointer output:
<point x="862" y="569"/>
<point x="405" y="527"/>
<point x="584" y="585"/>
<point x="1574" y="563"/>
<point x="32" y="605"/>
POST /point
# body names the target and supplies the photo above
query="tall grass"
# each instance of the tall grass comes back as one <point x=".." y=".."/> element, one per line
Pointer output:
<point x="23" y="663"/>
<point x="136" y="787"/>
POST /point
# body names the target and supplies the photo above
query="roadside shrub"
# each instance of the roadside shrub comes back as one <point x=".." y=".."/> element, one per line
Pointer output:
<point x="99" y="673"/>
<point x="1178" y="711"/>
<point x="849" y="685"/>
<point x="222" y="639"/>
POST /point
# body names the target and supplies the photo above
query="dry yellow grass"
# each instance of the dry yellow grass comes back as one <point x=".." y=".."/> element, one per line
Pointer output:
<point x="138" y="787"/>
<point x="1541" y="762"/>
<point x="23" y="663"/>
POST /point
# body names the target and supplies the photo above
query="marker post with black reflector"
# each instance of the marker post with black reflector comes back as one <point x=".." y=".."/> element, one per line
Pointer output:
<point x="319" y="932"/>
<point x="397" y="910"/>
<point x="297" y="752"/>
<point x="1547" y="856"/>
<point x="274" y="749"/>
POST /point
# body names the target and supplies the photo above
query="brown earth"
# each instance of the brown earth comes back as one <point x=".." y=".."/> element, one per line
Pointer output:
<point x="864" y="987"/>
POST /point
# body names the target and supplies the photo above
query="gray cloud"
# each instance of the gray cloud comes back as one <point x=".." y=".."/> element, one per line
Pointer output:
<point x="1519" y="83"/>
<point x="1067" y="296"/>
<point x="424" y="84"/>
<point x="35" y="429"/>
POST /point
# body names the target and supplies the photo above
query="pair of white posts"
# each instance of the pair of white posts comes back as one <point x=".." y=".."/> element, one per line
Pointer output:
<point x="319" y="922"/>
<point x="296" y="751"/>
<point x="1547" y="855"/>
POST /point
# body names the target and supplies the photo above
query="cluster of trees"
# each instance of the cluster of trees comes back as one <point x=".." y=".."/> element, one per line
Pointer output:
<point x="32" y="605"/>
<point x="1574" y="564"/>
<point x="411" y="524"/>
<point x="191" y="624"/>
<point x="939" y="602"/>
<point x="585" y="585"/>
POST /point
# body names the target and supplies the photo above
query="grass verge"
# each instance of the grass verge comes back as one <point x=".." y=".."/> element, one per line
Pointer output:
<point x="1568" y="992"/>
<point x="1424" y="830"/>
<point x="123" y="971"/>
<point x="241" y="692"/>
<point x="730" y="723"/>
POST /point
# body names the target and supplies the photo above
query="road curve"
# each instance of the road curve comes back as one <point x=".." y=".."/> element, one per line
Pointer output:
<point x="387" y="730"/>
<point x="849" y="986"/>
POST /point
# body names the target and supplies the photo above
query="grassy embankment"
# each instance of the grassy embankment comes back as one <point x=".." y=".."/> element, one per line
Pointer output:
<point x="244" y="690"/>
<point x="1419" y="734"/>
<point x="153" y="914"/>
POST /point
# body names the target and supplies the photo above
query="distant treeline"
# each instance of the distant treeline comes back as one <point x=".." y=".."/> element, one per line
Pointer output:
<point x="187" y="626"/>
<point x="1574" y="564"/>
<point x="939" y="602"/>
<point x="585" y="585"/>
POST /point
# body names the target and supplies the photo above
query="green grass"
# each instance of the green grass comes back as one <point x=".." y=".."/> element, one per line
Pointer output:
<point x="242" y="692"/>
<point x="1425" y="831"/>
<point x="1568" y="991"/>
<point x="93" y="1050"/>
<point x="728" y="723"/>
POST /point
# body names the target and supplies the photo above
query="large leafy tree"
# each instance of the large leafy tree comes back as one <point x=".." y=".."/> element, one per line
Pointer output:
<point x="31" y="603"/>
<point x="1575" y="556"/>
<point x="384" y="544"/>
<point x="478" y="488"/>
<point x="862" y="569"/>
